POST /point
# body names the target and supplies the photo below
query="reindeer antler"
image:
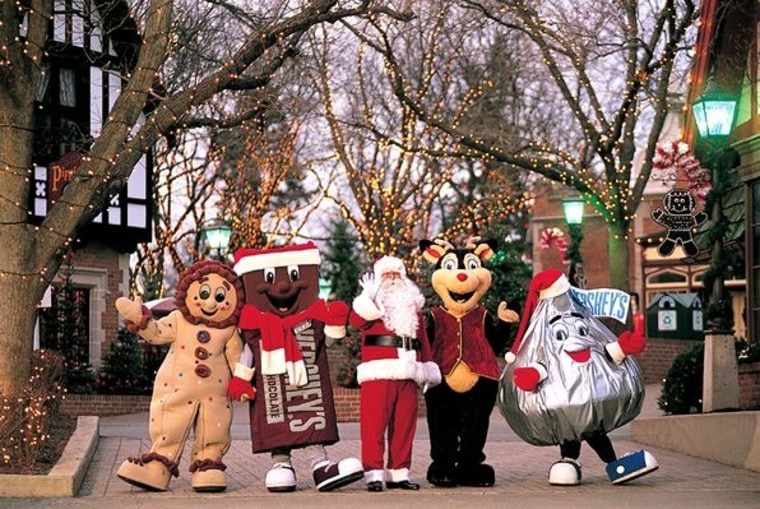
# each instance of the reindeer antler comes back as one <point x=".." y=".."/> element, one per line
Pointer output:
<point x="473" y="242"/>
<point x="444" y="243"/>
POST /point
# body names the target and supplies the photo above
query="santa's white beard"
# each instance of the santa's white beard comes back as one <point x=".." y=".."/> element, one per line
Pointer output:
<point x="401" y="301"/>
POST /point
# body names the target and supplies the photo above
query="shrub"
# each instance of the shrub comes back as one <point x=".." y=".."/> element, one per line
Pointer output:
<point x="25" y="421"/>
<point x="346" y="376"/>
<point x="682" y="388"/>
<point x="747" y="352"/>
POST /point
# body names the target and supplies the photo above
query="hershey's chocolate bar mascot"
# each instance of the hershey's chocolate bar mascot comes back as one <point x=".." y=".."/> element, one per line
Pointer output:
<point x="286" y="326"/>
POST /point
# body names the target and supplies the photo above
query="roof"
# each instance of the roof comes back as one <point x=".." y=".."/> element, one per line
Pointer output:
<point x="687" y="300"/>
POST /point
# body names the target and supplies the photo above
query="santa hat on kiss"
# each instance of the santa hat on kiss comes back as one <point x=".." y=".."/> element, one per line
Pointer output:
<point x="249" y="260"/>
<point x="545" y="285"/>
<point x="388" y="264"/>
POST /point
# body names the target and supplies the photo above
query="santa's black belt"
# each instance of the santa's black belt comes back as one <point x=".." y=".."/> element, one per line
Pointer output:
<point x="394" y="341"/>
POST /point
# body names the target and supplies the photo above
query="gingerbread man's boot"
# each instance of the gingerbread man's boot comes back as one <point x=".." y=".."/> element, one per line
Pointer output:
<point x="208" y="475"/>
<point x="149" y="471"/>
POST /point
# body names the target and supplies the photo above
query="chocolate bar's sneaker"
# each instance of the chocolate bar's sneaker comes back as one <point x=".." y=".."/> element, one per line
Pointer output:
<point x="330" y="476"/>
<point x="281" y="478"/>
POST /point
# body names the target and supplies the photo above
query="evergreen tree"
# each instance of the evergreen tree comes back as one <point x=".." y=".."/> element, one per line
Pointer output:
<point x="342" y="265"/>
<point x="123" y="370"/>
<point x="510" y="275"/>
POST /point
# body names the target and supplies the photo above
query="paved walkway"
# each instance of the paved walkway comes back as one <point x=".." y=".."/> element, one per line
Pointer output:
<point x="521" y="477"/>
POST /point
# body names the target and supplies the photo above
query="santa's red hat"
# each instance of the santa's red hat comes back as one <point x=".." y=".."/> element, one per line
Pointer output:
<point x="545" y="285"/>
<point x="248" y="260"/>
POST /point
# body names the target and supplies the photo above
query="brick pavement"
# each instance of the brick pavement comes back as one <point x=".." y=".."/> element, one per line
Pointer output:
<point x="521" y="478"/>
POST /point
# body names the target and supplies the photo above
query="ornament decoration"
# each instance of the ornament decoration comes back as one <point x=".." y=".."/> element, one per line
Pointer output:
<point x="554" y="237"/>
<point x="674" y="160"/>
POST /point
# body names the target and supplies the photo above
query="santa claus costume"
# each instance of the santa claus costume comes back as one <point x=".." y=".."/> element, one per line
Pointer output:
<point x="396" y="360"/>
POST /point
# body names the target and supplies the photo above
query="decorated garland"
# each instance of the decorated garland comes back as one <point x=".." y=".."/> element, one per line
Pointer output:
<point x="673" y="158"/>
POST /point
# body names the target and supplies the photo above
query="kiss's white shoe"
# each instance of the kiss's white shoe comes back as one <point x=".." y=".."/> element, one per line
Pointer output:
<point x="565" y="472"/>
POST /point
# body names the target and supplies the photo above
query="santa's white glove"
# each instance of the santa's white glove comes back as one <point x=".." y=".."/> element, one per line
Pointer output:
<point x="369" y="284"/>
<point x="364" y="304"/>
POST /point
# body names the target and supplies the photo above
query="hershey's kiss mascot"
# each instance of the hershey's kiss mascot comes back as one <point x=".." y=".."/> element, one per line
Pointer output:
<point x="286" y="327"/>
<point x="569" y="379"/>
<point x="190" y="390"/>
<point x="465" y="340"/>
<point x="396" y="360"/>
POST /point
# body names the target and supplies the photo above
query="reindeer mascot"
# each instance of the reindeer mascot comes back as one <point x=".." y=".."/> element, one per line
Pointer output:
<point x="465" y="342"/>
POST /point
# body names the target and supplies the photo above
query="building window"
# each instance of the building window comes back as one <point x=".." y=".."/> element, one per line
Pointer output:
<point x="67" y="93"/>
<point x="65" y="325"/>
<point x="754" y="258"/>
<point x="666" y="277"/>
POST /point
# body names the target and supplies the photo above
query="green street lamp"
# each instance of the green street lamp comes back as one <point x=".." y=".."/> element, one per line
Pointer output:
<point x="573" y="208"/>
<point x="217" y="235"/>
<point x="715" y="113"/>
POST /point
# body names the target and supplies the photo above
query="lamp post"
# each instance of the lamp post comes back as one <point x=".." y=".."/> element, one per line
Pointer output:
<point x="573" y="208"/>
<point x="217" y="235"/>
<point x="714" y="114"/>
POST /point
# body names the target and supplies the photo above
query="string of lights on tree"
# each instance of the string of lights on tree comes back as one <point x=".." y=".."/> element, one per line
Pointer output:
<point x="606" y="187"/>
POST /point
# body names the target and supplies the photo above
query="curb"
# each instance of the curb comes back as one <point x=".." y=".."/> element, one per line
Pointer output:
<point x="706" y="436"/>
<point x="66" y="477"/>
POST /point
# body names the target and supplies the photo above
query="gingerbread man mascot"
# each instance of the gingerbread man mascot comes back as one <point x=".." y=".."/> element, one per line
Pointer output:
<point x="190" y="389"/>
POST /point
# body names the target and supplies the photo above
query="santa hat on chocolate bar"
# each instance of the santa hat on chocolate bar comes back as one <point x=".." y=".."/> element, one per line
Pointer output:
<point x="249" y="260"/>
<point x="545" y="285"/>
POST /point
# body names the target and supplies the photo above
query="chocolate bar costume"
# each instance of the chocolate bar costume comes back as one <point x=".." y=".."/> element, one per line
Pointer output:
<point x="286" y="326"/>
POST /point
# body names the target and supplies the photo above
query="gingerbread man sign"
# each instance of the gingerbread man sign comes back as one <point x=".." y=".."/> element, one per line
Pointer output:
<point x="680" y="218"/>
